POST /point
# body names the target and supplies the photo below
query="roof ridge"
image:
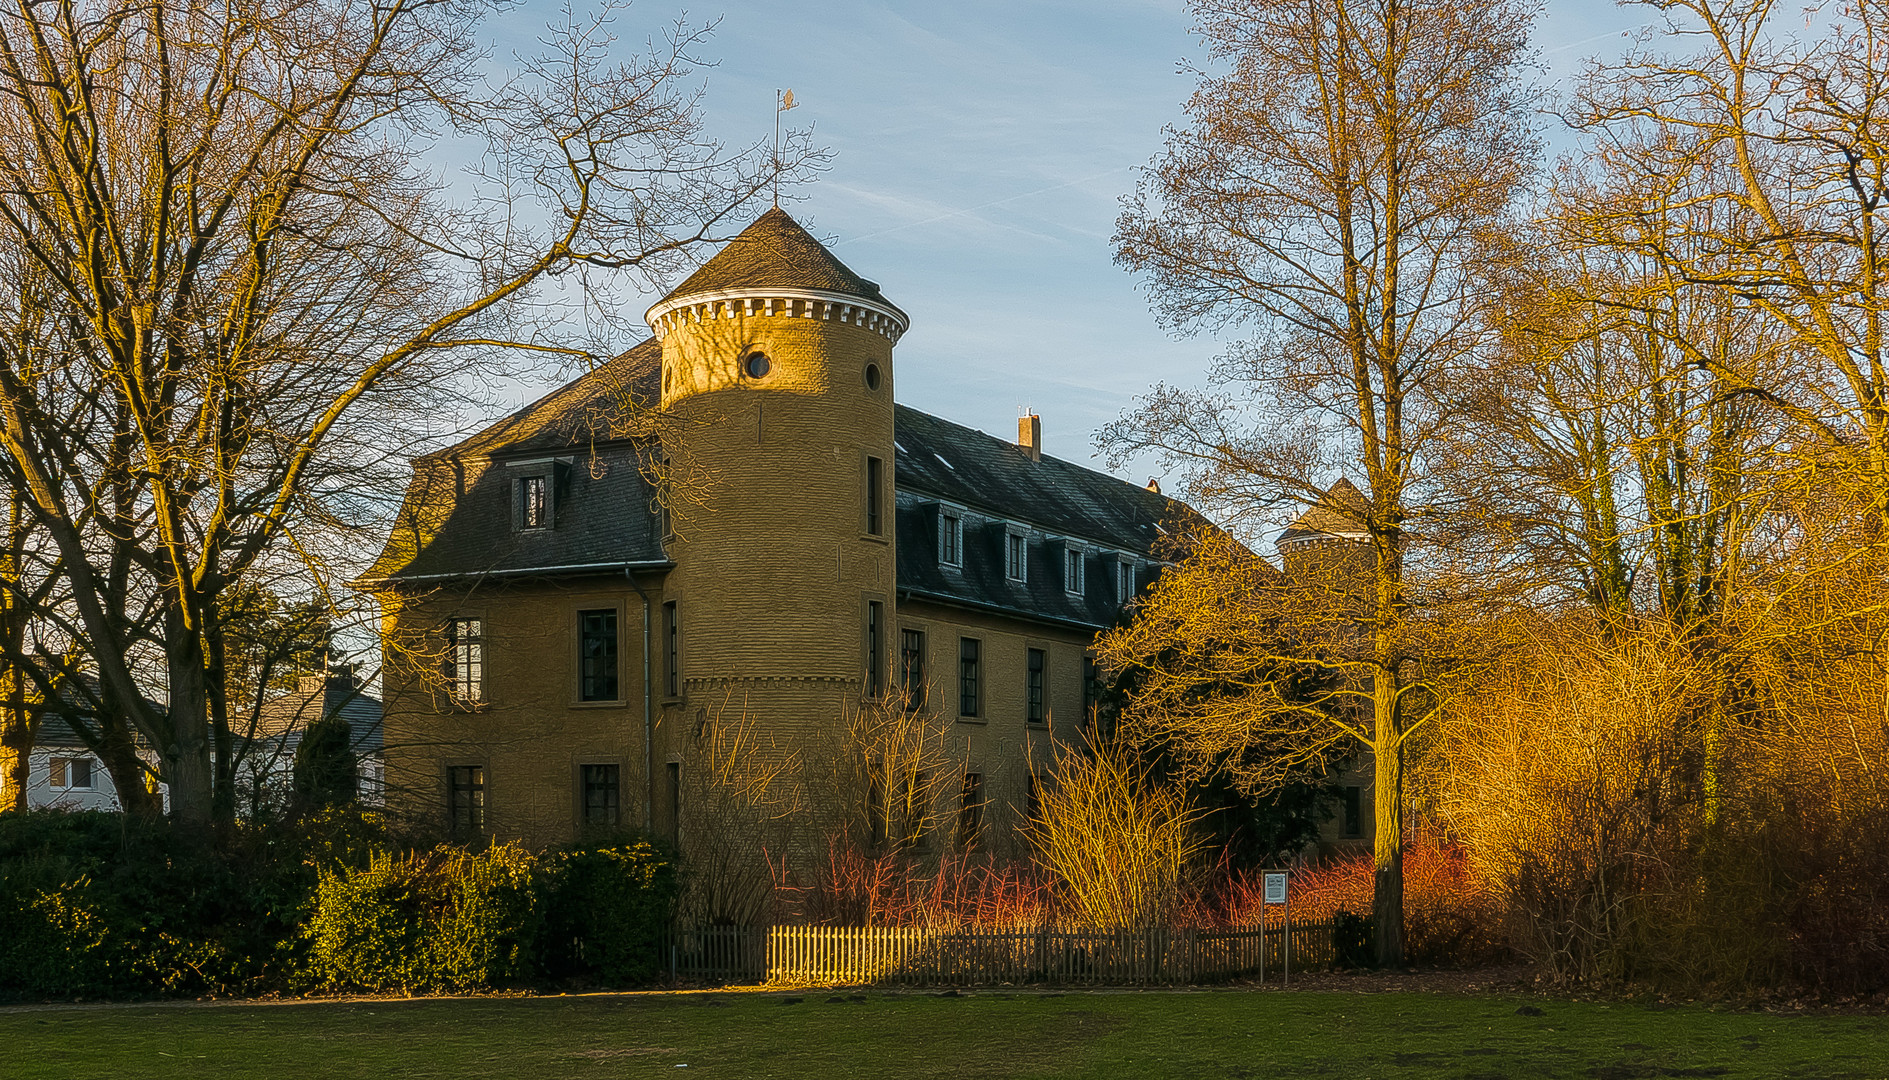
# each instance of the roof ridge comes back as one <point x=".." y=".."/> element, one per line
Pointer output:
<point x="775" y="252"/>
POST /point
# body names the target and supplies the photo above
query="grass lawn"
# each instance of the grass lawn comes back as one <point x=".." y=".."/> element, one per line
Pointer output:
<point x="980" y="1034"/>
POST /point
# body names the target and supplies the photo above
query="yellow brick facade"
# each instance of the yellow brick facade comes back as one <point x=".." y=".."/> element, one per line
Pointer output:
<point x="769" y="567"/>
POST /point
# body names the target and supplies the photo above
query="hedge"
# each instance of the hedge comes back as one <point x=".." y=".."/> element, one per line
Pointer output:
<point x="96" y="905"/>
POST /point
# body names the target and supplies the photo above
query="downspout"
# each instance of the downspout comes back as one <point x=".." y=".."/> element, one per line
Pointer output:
<point x="649" y="713"/>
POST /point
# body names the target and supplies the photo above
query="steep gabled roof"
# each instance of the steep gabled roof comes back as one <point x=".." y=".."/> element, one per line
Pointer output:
<point x="965" y="466"/>
<point x="456" y="517"/>
<point x="596" y="406"/>
<point x="1340" y="514"/>
<point x="775" y="252"/>
<point x="941" y="462"/>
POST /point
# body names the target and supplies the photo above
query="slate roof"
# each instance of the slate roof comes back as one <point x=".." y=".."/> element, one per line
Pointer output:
<point x="939" y="461"/>
<point x="1341" y="513"/>
<point x="456" y="518"/>
<point x="54" y="730"/>
<point x="965" y="466"/>
<point x="775" y="252"/>
<point x="286" y="716"/>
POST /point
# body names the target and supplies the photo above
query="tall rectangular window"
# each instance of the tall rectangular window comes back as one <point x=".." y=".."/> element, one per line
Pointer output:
<point x="534" y="502"/>
<point x="875" y="484"/>
<point x="1125" y="581"/>
<point x="1034" y="692"/>
<point x="875" y="647"/>
<point x="912" y="667"/>
<point x="465" y="660"/>
<point x="1016" y="556"/>
<point x="602" y="795"/>
<point x="465" y="799"/>
<point x="1072" y="569"/>
<point x="969" y="676"/>
<point x="1353" y="808"/>
<point x="671" y="634"/>
<point x="971" y="811"/>
<point x="597" y="655"/>
<point x="950" y="538"/>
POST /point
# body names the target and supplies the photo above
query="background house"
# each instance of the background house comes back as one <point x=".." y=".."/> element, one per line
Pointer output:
<point x="269" y="760"/>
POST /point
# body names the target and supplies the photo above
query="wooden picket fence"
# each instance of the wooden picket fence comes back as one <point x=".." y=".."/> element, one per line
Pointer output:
<point x="905" y="956"/>
<point x="723" y="954"/>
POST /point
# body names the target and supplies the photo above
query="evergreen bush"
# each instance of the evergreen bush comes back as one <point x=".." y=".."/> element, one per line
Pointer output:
<point x="605" y="913"/>
<point x="445" y="920"/>
<point x="53" y="940"/>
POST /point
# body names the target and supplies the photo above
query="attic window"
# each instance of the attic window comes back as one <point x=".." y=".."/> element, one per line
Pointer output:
<point x="1125" y="580"/>
<point x="1016" y="555"/>
<point x="1072" y="569"/>
<point x="534" y="502"/>
<point x="950" y="538"/>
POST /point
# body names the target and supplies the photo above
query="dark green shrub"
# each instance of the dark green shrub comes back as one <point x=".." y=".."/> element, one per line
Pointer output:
<point x="445" y="920"/>
<point x="1353" y="940"/>
<point x="53" y="941"/>
<point x="606" y="911"/>
<point x="325" y="765"/>
<point x="159" y="911"/>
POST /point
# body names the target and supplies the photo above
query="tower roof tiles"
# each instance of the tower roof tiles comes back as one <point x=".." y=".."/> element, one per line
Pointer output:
<point x="775" y="252"/>
<point x="1340" y="514"/>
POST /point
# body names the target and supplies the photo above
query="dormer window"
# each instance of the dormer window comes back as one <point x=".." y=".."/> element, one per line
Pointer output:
<point x="1072" y="569"/>
<point x="950" y="538"/>
<point x="1125" y="579"/>
<point x="534" y="502"/>
<point x="538" y="486"/>
<point x="1016" y="555"/>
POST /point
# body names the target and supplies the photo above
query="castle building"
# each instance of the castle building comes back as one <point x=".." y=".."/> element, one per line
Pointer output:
<point x="736" y="516"/>
<point x="1327" y="549"/>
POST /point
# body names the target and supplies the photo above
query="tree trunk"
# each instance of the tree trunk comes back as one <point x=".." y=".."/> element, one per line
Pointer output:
<point x="187" y="764"/>
<point x="1387" y="904"/>
<point x="119" y="752"/>
<point x="16" y="754"/>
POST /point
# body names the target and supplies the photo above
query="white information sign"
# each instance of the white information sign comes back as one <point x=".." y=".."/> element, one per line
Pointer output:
<point x="1275" y="888"/>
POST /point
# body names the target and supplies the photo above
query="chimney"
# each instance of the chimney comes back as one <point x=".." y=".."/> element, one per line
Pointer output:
<point x="1030" y="435"/>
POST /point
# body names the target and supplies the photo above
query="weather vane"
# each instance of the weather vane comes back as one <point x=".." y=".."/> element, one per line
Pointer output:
<point x="783" y="100"/>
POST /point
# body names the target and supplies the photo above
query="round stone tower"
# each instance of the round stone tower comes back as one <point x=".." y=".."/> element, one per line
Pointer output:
<point x="1328" y="546"/>
<point x="777" y="381"/>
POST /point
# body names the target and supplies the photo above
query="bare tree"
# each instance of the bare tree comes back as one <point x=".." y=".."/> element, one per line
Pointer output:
<point x="251" y="288"/>
<point x="1327" y="189"/>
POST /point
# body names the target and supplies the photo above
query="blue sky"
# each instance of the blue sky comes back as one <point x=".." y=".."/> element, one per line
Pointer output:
<point x="980" y="150"/>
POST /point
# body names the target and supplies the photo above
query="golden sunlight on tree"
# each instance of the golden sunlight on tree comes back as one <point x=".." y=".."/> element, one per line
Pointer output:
<point x="1123" y="847"/>
<point x="1338" y="161"/>
<point x="235" y="285"/>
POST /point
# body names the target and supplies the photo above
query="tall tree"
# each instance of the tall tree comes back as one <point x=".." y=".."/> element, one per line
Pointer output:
<point x="1335" y="168"/>
<point x="1770" y="142"/>
<point x="251" y="287"/>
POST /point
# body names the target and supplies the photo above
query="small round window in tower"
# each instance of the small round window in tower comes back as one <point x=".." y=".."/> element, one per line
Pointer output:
<point x="872" y="376"/>
<point x="756" y="365"/>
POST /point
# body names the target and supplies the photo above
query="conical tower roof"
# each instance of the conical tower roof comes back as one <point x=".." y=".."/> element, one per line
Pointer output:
<point x="1339" y="515"/>
<point x="775" y="253"/>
